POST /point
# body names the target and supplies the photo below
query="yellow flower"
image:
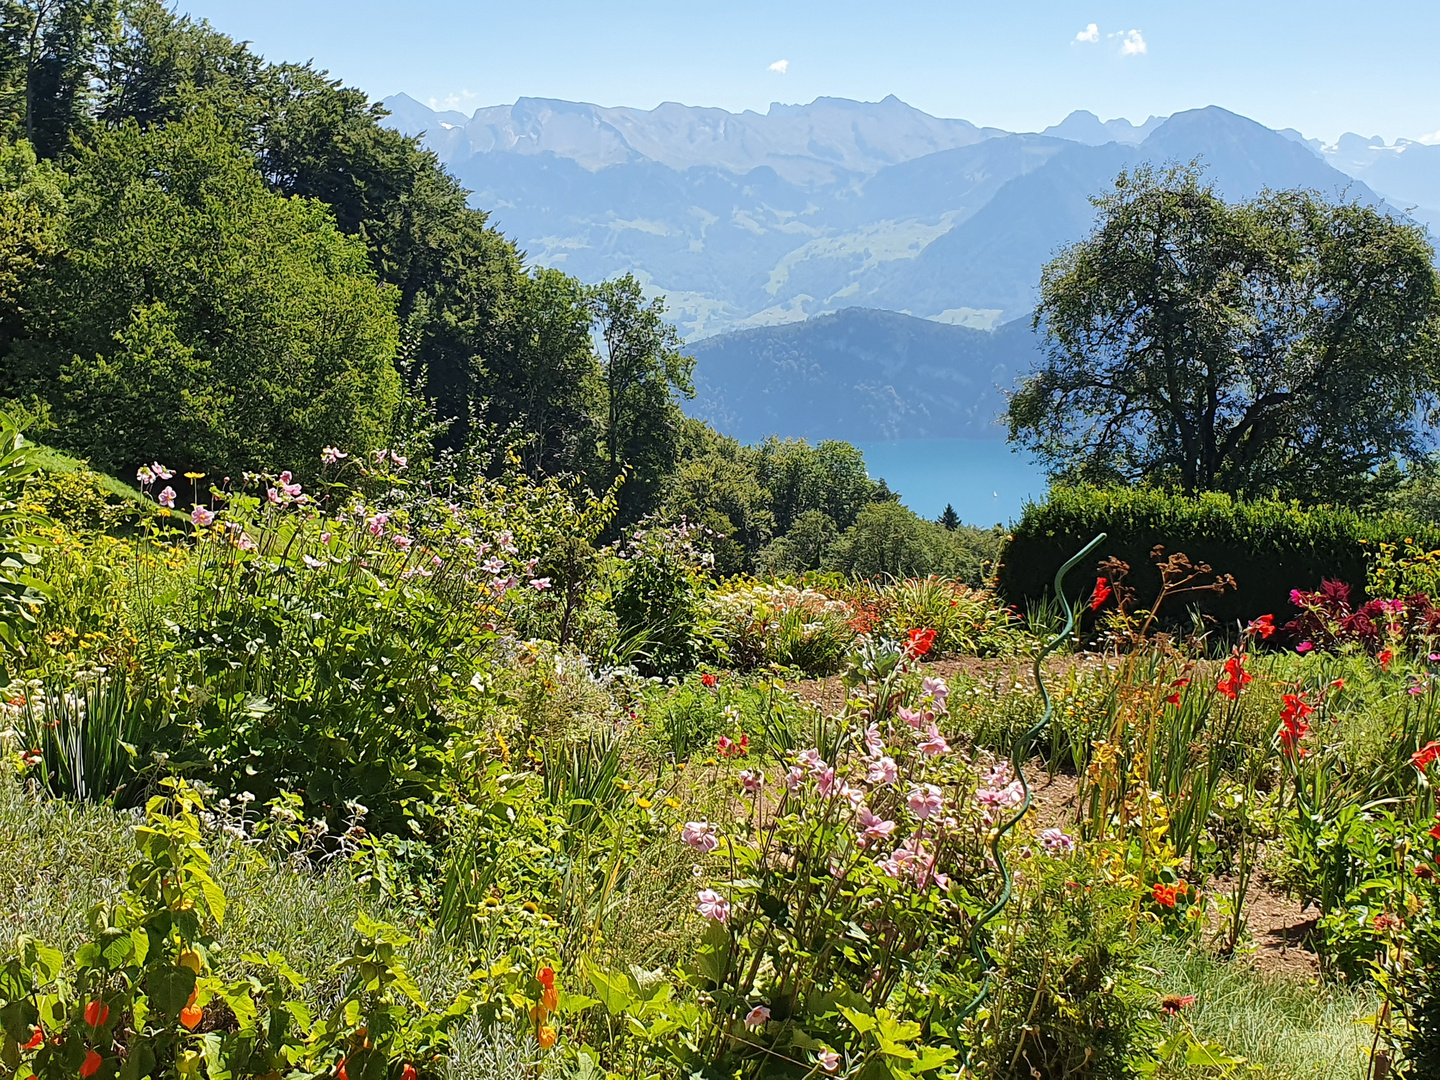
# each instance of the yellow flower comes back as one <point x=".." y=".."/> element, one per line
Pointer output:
<point x="673" y="804"/>
<point x="194" y="476"/>
<point x="644" y="804"/>
<point x="530" y="906"/>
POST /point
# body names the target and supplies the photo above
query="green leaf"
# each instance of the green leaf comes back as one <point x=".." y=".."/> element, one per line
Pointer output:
<point x="858" y="1020"/>
<point x="169" y="988"/>
<point x="612" y="990"/>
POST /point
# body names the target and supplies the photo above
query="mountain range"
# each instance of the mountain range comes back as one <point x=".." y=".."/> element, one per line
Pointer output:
<point x="751" y="222"/>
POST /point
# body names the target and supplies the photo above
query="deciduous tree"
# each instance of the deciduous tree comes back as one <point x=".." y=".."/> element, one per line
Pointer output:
<point x="1286" y="344"/>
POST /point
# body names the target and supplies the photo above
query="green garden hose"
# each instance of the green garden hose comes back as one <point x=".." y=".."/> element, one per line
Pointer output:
<point x="1019" y="752"/>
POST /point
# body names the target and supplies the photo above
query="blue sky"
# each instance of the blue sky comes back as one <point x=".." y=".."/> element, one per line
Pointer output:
<point x="1324" y="67"/>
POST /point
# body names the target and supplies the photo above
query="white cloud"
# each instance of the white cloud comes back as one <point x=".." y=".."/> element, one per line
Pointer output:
<point x="1131" y="43"/>
<point x="1090" y="34"/>
<point x="780" y="67"/>
<point x="1430" y="140"/>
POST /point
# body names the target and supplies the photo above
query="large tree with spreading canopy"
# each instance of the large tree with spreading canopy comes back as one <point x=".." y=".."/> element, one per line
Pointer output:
<point x="1285" y="344"/>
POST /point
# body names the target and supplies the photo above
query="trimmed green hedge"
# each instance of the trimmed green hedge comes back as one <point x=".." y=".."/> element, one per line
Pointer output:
<point x="1271" y="547"/>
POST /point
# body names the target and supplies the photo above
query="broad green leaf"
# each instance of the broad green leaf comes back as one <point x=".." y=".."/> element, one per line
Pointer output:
<point x="169" y="988"/>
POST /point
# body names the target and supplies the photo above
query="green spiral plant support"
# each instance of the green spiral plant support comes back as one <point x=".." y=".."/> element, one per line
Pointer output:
<point x="1019" y="751"/>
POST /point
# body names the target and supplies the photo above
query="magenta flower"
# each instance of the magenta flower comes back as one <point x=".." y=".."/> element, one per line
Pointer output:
<point x="934" y="743"/>
<point x="201" y="518"/>
<point x="794" y="778"/>
<point x="752" y="781"/>
<point x="811" y="759"/>
<point x="825" y="782"/>
<point x="712" y="905"/>
<point x="1304" y="647"/>
<point x="700" y="835"/>
<point x="757" y="1017"/>
<point x="873" y="827"/>
<point x="167" y="498"/>
<point x="936" y="689"/>
<point x="882" y="770"/>
<point x="402" y="542"/>
<point x="914" y="719"/>
<point x="925" y="801"/>
<point x="1056" y="841"/>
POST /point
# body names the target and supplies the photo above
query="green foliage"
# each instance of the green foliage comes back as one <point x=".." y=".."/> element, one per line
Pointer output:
<point x="197" y="317"/>
<point x="656" y="596"/>
<point x="642" y="371"/>
<point x="20" y="592"/>
<point x="1269" y="547"/>
<point x="1285" y="344"/>
<point x="140" y="998"/>
<point x="890" y="540"/>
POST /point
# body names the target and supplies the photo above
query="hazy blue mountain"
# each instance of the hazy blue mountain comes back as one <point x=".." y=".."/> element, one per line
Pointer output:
<point x="860" y="374"/>
<point x="759" y="220"/>
<point x="1085" y="127"/>
<point x="1407" y="173"/>
<point x="776" y="231"/>
<point x="817" y="143"/>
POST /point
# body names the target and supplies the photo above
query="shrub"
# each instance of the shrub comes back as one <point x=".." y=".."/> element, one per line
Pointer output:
<point x="763" y="624"/>
<point x="889" y="540"/>
<point x="1270" y="547"/>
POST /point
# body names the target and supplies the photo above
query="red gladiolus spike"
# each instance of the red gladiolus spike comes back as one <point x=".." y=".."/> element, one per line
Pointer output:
<point x="1101" y="594"/>
<point x="1422" y="758"/>
<point x="1262" y="627"/>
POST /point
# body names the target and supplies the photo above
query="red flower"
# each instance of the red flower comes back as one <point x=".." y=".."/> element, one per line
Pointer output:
<point x="730" y="748"/>
<point x="1262" y="627"/>
<point x="708" y="679"/>
<point x="340" y="1071"/>
<point x="96" y="1013"/>
<point x="408" y="1072"/>
<point x="1101" y="594"/>
<point x="1173" y="699"/>
<point x="1385" y="657"/>
<point x="1173" y="1003"/>
<point x="1164" y="894"/>
<point x="91" y="1065"/>
<point x="918" y="642"/>
<point x="36" y="1040"/>
<point x="546" y="977"/>
<point x="1235" y="677"/>
<point x="1435" y="832"/>
<point x="1425" y="755"/>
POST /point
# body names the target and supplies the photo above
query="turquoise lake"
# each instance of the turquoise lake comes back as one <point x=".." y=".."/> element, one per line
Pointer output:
<point x="986" y="481"/>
